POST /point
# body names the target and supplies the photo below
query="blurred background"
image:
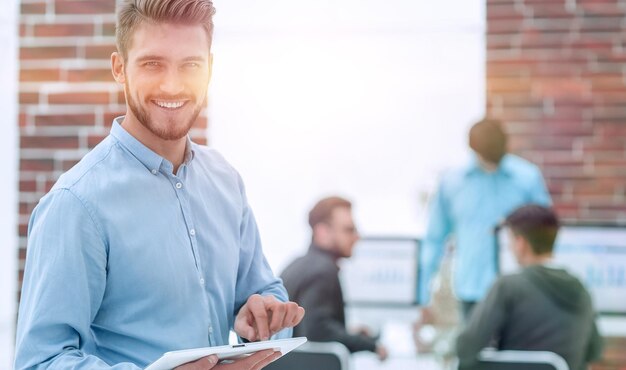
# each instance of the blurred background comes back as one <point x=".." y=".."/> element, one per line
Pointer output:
<point x="365" y="99"/>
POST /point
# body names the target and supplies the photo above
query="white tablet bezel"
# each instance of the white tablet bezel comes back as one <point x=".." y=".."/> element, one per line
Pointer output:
<point x="172" y="359"/>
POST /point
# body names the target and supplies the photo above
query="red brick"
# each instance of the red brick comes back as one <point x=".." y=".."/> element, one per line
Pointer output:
<point x="68" y="163"/>
<point x="22" y="230"/>
<point x="99" y="51"/>
<point x="504" y="26"/>
<point x="121" y="98"/>
<point x="84" y="7"/>
<point x="33" y="8"/>
<point x="28" y="185"/>
<point x="29" y="98"/>
<point x="497" y="85"/>
<point x="49" y="142"/>
<point x="47" y="52"/>
<point x="550" y="11"/>
<point x="108" y="117"/>
<point x="533" y="39"/>
<point x="36" y="164"/>
<point x="79" y="98"/>
<point x="599" y="24"/>
<point x="551" y="25"/>
<point x="609" y="129"/>
<point x="566" y="127"/>
<point x="37" y="75"/>
<point x="541" y="143"/>
<point x="26" y="208"/>
<point x="609" y="114"/>
<point x="590" y="145"/>
<point x="89" y="75"/>
<point x="65" y="120"/>
<point x="560" y="87"/>
<point x="500" y="42"/>
<point x="503" y="11"/>
<point x="23" y="29"/>
<point x="93" y="140"/>
<point x="108" y="29"/>
<point x="22" y="119"/>
<point x="57" y="30"/>
<point x="49" y="184"/>
<point x="597" y="8"/>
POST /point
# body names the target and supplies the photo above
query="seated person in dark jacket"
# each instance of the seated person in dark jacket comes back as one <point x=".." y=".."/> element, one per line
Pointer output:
<point x="541" y="308"/>
<point x="313" y="279"/>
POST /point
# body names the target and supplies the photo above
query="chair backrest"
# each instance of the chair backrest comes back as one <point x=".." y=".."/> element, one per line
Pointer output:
<point x="314" y="356"/>
<point x="491" y="359"/>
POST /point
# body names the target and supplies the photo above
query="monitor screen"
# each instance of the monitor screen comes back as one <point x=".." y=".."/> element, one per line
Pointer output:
<point x="595" y="254"/>
<point x="381" y="271"/>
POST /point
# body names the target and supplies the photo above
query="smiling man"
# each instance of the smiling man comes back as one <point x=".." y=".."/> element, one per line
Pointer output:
<point x="148" y="244"/>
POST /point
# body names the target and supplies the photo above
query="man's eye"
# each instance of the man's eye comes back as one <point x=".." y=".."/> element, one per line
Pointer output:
<point x="192" y="65"/>
<point x="151" y="64"/>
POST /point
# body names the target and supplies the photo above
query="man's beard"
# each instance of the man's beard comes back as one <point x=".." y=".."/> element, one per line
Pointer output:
<point x="169" y="131"/>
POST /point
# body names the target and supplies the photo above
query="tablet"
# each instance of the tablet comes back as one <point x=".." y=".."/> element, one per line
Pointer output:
<point x="170" y="360"/>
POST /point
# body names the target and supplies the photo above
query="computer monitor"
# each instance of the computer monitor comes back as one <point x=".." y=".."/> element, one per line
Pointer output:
<point x="595" y="254"/>
<point x="381" y="272"/>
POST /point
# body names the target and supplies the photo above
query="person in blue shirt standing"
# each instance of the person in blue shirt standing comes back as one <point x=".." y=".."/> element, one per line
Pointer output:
<point x="469" y="204"/>
<point x="148" y="244"/>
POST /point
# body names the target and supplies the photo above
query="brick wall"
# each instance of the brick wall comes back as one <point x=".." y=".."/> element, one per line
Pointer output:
<point x="67" y="95"/>
<point x="556" y="75"/>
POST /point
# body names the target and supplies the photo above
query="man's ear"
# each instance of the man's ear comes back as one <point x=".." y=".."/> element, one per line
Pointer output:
<point x="321" y="234"/>
<point x="117" y="67"/>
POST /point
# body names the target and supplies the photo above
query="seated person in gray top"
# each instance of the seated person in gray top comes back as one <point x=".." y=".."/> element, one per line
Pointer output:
<point x="313" y="280"/>
<point x="541" y="308"/>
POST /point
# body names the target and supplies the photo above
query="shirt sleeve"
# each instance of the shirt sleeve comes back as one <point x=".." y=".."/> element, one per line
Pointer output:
<point x="320" y="322"/>
<point x="595" y="346"/>
<point x="539" y="191"/>
<point x="64" y="282"/>
<point x="437" y="232"/>
<point x="254" y="274"/>
<point x="484" y="325"/>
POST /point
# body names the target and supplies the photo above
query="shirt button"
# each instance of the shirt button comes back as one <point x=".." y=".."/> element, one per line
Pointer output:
<point x="192" y="232"/>
<point x="210" y="329"/>
<point x="154" y="172"/>
<point x="202" y="281"/>
<point x="179" y="185"/>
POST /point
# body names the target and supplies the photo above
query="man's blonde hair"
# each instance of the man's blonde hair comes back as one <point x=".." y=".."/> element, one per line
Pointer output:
<point x="130" y="14"/>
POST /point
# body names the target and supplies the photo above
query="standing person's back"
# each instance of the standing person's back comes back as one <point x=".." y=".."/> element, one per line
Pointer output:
<point x="469" y="203"/>
<point x="541" y="308"/>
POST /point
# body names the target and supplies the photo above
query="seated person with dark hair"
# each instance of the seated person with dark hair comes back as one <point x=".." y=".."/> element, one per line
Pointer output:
<point x="313" y="279"/>
<point x="541" y="308"/>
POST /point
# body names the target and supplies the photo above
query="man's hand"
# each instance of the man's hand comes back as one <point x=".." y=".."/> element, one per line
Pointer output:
<point x="256" y="361"/>
<point x="381" y="352"/>
<point x="263" y="316"/>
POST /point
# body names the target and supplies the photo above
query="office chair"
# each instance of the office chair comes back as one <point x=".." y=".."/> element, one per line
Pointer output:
<point x="491" y="359"/>
<point x="314" y="356"/>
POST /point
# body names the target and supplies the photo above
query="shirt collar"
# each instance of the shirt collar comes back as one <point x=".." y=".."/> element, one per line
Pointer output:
<point x="151" y="160"/>
<point x="505" y="166"/>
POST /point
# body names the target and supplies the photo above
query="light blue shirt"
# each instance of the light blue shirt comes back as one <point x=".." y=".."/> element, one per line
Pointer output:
<point x="468" y="205"/>
<point x="127" y="261"/>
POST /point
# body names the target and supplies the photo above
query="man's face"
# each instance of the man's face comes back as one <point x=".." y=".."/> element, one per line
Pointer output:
<point x="166" y="75"/>
<point x="343" y="233"/>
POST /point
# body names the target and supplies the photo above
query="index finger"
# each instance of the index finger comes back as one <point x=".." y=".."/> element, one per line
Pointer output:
<point x="261" y="321"/>
<point x="260" y="359"/>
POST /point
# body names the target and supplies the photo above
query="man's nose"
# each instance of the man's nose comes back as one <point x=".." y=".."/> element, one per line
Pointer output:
<point x="172" y="83"/>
